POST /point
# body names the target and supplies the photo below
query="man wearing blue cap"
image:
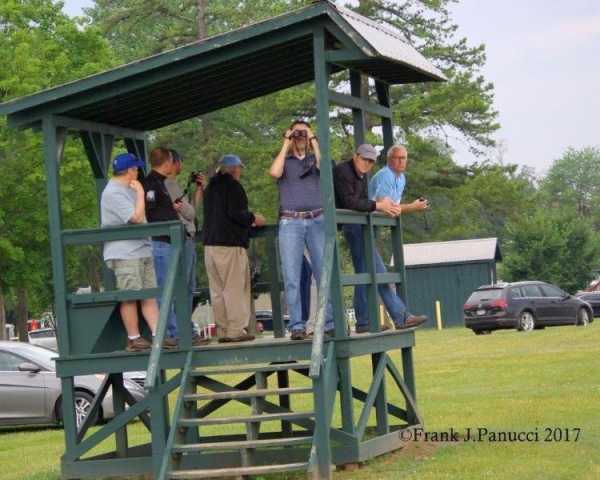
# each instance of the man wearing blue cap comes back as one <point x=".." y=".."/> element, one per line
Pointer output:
<point x="226" y="237"/>
<point x="122" y="203"/>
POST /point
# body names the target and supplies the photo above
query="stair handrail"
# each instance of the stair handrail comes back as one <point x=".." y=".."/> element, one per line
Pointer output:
<point x="176" y="235"/>
<point x="176" y="415"/>
<point x="316" y="355"/>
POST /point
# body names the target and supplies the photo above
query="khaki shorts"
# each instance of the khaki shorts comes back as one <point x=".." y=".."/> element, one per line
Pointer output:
<point x="133" y="274"/>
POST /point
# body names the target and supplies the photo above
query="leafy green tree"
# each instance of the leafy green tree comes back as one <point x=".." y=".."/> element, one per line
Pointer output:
<point x="40" y="47"/>
<point x="461" y="106"/>
<point x="557" y="248"/>
<point x="573" y="183"/>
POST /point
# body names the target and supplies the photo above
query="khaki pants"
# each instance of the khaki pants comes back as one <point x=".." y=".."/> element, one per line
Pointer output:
<point x="229" y="281"/>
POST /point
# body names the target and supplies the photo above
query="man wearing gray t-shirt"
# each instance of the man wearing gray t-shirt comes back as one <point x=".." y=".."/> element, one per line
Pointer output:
<point x="122" y="203"/>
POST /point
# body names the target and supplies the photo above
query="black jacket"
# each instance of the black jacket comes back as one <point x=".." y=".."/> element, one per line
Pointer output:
<point x="227" y="219"/>
<point x="351" y="190"/>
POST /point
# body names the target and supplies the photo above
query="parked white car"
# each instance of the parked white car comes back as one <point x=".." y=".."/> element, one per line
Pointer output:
<point x="31" y="393"/>
<point x="44" y="337"/>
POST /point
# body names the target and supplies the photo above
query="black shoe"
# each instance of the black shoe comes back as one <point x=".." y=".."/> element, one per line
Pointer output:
<point x="367" y="328"/>
<point x="329" y="334"/>
<point x="412" y="321"/>
<point x="298" y="335"/>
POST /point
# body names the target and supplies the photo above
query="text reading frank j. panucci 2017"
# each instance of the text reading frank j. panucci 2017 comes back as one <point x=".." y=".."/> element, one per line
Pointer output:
<point x="481" y="434"/>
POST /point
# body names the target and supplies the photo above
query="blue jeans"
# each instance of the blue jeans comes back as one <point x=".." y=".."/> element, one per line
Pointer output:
<point x="294" y="235"/>
<point x="190" y="272"/>
<point x="161" y="253"/>
<point x="394" y="305"/>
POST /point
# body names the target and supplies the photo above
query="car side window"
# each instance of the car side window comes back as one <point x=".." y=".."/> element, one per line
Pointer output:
<point x="515" y="292"/>
<point x="9" y="363"/>
<point x="551" y="291"/>
<point x="532" y="291"/>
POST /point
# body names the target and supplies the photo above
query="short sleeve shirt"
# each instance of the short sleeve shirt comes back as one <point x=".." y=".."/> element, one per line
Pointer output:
<point x="117" y="206"/>
<point x="386" y="184"/>
<point x="299" y="194"/>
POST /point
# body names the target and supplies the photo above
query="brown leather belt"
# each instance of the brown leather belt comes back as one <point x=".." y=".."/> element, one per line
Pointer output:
<point x="311" y="214"/>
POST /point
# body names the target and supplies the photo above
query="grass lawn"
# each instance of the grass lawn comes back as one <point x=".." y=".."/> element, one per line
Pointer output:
<point x="542" y="387"/>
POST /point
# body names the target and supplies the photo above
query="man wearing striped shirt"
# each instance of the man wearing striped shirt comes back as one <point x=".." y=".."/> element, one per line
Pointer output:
<point x="301" y="222"/>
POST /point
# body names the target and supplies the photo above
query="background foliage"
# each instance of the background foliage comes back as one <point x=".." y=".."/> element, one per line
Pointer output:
<point x="547" y="226"/>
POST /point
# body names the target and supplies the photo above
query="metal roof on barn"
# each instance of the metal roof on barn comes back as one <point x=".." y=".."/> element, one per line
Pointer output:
<point x="229" y="69"/>
<point x="457" y="251"/>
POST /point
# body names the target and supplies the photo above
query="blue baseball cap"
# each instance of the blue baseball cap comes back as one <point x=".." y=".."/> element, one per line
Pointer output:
<point x="231" y="161"/>
<point x="124" y="161"/>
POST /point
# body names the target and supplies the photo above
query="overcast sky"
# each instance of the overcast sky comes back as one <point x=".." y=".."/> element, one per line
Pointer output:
<point x="542" y="59"/>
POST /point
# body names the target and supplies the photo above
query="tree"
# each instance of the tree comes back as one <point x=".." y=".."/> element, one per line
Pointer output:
<point x="463" y="105"/>
<point x="573" y="183"/>
<point x="40" y="47"/>
<point x="556" y="248"/>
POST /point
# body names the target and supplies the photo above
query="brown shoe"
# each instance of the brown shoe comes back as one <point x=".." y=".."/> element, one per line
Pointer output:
<point x="367" y="328"/>
<point x="244" y="337"/>
<point x="170" y="343"/>
<point x="139" y="344"/>
<point x="412" y="321"/>
<point x="199" y="340"/>
<point x="298" y="335"/>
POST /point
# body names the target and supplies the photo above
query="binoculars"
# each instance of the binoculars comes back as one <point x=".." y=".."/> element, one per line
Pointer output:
<point x="299" y="133"/>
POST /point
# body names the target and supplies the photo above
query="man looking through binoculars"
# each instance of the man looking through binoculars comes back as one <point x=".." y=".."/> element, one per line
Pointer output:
<point x="301" y="222"/>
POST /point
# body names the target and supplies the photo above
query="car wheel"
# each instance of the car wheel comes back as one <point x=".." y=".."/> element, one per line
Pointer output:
<point x="583" y="318"/>
<point x="83" y="402"/>
<point x="526" y="322"/>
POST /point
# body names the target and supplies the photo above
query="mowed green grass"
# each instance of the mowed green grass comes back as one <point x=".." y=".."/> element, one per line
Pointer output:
<point x="544" y="384"/>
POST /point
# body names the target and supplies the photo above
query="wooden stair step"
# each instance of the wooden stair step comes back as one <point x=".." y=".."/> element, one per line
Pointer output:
<point x="261" y="392"/>
<point x="236" y="471"/>
<point x="241" y="444"/>
<point x="259" y="417"/>
<point x="274" y="367"/>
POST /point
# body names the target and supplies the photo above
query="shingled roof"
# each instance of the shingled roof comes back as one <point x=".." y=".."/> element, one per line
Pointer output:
<point x="228" y="69"/>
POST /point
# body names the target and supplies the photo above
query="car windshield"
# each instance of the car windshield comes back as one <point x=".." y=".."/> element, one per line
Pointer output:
<point x="40" y="355"/>
<point x="485" y="295"/>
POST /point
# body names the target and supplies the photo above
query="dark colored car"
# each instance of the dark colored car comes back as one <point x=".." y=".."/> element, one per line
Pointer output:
<point x="524" y="306"/>
<point x="593" y="298"/>
<point x="266" y="318"/>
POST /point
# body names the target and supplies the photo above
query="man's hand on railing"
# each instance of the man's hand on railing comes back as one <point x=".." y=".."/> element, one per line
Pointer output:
<point x="385" y="205"/>
<point x="259" y="221"/>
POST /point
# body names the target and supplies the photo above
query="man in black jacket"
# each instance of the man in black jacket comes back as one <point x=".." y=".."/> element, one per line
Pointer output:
<point x="351" y="192"/>
<point x="225" y="233"/>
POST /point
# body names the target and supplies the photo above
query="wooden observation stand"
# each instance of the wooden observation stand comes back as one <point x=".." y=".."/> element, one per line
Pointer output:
<point x="235" y="410"/>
